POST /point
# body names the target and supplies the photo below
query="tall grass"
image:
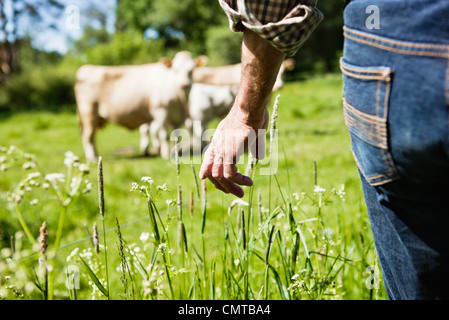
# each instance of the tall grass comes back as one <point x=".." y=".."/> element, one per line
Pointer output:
<point x="299" y="233"/>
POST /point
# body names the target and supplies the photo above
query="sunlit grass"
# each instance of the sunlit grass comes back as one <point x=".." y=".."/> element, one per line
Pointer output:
<point x="218" y="264"/>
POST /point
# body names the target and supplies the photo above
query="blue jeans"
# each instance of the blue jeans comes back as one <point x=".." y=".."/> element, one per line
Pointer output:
<point x="395" y="69"/>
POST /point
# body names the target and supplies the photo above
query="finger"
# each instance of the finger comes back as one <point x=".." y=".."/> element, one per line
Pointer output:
<point x="231" y="187"/>
<point x="258" y="148"/>
<point x="208" y="162"/>
<point x="217" y="184"/>
<point x="231" y="173"/>
<point x="242" y="180"/>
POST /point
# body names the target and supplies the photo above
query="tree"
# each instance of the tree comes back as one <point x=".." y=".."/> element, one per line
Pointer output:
<point x="320" y="52"/>
<point x="182" y="24"/>
<point x="133" y="15"/>
<point x="12" y="16"/>
<point x="94" y="30"/>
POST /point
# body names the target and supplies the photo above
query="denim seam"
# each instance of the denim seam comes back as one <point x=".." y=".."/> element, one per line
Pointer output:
<point x="447" y="84"/>
<point x="371" y="138"/>
<point x="379" y="83"/>
<point x="442" y="47"/>
<point x="398" y="42"/>
<point x="374" y="131"/>
<point x="373" y="119"/>
<point x="383" y="75"/>
<point x="371" y="179"/>
<point x="422" y="47"/>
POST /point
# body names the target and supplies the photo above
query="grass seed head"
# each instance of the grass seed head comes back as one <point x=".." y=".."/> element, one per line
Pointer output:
<point x="43" y="237"/>
<point x="100" y="187"/>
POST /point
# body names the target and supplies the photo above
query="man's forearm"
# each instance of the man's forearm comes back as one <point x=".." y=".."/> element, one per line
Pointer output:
<point x="260" y="66"/>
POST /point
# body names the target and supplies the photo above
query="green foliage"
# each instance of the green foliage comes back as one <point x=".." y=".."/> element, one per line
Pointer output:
<point x="91" y="37"/>
<point x="320" y="54"/>
<point x="223" y="46"/>
<point x="125" y="48"/>
<point x="181" y="24"/>
<point x="43" y="86"/>
<point x="133" y="15"/>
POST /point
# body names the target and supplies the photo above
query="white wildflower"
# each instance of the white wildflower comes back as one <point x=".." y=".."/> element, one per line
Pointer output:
<point x="341" y="192"/>
<point x="84" y="168"/>
<point x="88" y="186"/>
<point x="55" y="177"/>
<point x="144" y="236"/>
<point x="70" y="159"/>
<point x="72" y="254"/>
<point x="162" y="247"/>
<point x="148" y="180"/>
<point x="134" y="186"/>
<point x="318" y="189"/>
<point x="163" y="187"/>
<point x="76" y="181"/>
<point x="33" y="202"/>
<point x="28" y="165"/>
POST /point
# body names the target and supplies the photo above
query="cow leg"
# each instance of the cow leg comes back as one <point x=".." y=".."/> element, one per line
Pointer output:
<point x="87" y="126"/>
<point x="159" y="133"/>
<point x="145" y="138"/>
<point x="163" y="139"/>
<point x="198" y="129"/>
<point x="154" y="128"/>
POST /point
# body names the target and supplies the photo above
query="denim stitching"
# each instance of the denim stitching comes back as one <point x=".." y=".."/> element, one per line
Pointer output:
<point x="372" y="128"/>
<point x="447" y="84"/>
<point x="390" y="163"/>
<point x="365" y="116"/>
<point x="373" y="131"/>
<point x="379" y="83"/>
<point x="371" y="179"/>
<point x="402" y="51"/>
<point x="359" y="76"/>
<point x="383" y="75"/>
<point x="442" y="47"/>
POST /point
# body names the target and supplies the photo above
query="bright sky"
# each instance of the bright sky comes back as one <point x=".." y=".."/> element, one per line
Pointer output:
<point x="68" y="24"/>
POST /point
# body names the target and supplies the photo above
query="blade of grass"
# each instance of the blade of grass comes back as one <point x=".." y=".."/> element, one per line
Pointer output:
<point x="94" y="278"/>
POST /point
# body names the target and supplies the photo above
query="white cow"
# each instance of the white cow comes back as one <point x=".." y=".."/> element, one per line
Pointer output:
<point x="151" y="96"/>
<point x="206" y="103"/>
<point x="213" y="93"/>
<point x="229" y="75"/>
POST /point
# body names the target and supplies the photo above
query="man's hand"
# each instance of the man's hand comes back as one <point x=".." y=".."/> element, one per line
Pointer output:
<point x="233" y="136"/>
<point x="240" y="130"/>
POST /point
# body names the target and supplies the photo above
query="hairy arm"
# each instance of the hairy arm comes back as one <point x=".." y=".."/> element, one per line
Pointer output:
<point x="239" y="130"/>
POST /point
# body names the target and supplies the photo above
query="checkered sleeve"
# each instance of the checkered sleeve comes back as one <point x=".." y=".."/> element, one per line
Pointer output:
<point x="286" y="24"/>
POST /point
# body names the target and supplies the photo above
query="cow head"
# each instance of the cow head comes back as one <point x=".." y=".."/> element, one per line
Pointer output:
<point x="181" y="67"/>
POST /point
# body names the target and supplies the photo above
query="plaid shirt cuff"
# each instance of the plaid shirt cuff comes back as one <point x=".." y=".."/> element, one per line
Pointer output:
<point x="286" y="24"/>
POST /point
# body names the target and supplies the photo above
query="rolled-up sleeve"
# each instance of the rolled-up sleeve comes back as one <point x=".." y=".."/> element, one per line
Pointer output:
<point x="286" y="24"/>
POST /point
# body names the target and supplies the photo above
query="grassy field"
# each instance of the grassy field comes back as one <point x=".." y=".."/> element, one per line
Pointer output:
<point x="300" y="233"/>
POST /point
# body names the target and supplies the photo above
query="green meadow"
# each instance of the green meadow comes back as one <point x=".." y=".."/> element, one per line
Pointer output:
<point x="301" y="232"/>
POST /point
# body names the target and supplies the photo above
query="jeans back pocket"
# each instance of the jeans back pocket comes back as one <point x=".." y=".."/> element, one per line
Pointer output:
<point x="366" y="95"/>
